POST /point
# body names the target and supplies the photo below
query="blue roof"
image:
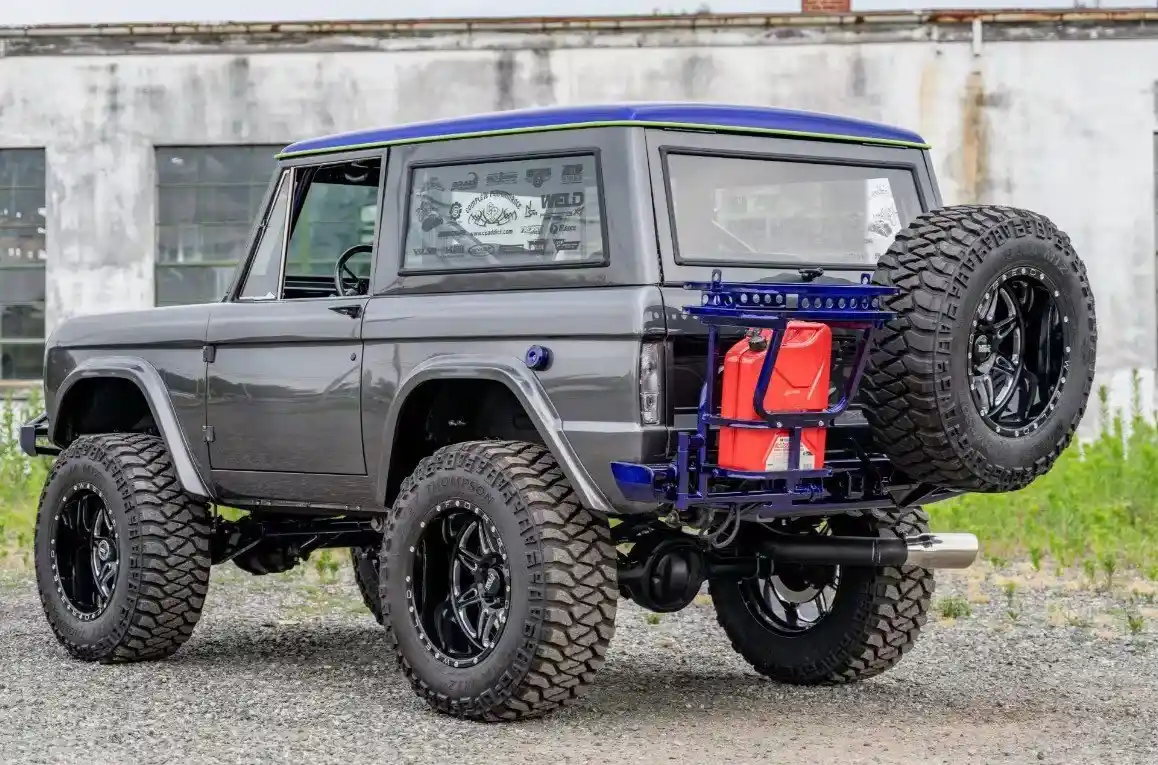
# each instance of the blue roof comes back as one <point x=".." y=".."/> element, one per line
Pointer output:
<point x="723" y="117"/>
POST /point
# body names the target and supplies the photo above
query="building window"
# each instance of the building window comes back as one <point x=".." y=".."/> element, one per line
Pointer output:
<point x="207" y="199"/>
<point x="506" y="215"/>
<point x="22" y="256"/>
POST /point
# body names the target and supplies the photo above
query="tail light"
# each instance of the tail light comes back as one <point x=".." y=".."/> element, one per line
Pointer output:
<point x="650" y="383"/>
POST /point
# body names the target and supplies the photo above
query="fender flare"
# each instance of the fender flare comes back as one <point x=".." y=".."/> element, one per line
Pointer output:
<point x="527" y="390"/>
<point x="148" y="380"/>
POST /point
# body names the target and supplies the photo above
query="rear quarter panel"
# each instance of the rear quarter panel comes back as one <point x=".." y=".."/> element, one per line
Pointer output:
<point x="594" y="337"/>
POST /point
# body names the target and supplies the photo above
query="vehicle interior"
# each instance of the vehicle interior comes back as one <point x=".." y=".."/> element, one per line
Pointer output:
<point x="332" y="230"/>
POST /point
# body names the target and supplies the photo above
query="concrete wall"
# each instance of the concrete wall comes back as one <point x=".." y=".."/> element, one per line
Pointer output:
<point x="1056" y="117"/>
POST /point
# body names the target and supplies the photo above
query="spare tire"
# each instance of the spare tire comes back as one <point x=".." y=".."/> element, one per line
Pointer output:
<point x="980" y="380"/>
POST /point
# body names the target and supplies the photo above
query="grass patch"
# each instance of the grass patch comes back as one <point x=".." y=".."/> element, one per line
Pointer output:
<point x="21" y="479"/>
<point x="1097" y="509"/>
<point x="953" y="607"/>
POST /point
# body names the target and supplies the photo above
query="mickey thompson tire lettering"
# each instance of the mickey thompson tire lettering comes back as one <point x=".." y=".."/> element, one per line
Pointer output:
<point x="876" y="617"/>
<point x="563" y="582"/>
<point x="917" y="386"/>
<point x="163" y="539"/>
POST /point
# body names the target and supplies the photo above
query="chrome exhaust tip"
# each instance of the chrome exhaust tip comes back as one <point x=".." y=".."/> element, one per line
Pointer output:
<point x="952" y="550"/>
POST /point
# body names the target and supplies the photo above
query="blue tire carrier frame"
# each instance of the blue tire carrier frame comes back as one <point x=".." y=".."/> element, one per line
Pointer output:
<point x="690" y="479"/>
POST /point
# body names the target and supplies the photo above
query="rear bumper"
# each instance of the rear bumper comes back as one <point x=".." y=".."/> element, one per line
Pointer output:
<point x="31" y="433"/>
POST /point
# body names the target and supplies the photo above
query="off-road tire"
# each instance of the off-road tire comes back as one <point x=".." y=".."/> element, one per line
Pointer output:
<point x="916" y="385"/>
<point x="563" y="582"/>
<point x="877" y="615"/>
<point x="163" y="542"/>
<point x="271" y="559"/>
<point x="365" y="564"/>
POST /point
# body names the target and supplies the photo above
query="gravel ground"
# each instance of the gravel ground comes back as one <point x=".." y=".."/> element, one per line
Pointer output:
<point x="291" y="669"/>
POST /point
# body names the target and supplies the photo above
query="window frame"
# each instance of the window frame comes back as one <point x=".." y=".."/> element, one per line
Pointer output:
<point x="282" y="177"/>
<point x="656" y="141"/>
<point x="799" y="159"/>
<point x="39" y="265"/>
<point x="584" y="151"/>
<point x="262" y="208"/>
<point x="287" y="168"/>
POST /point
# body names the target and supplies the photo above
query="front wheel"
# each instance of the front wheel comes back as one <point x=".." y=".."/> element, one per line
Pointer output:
<point x="811" y="625"/>
<point x="122" y="552"/>
<point x="498" y="587"/>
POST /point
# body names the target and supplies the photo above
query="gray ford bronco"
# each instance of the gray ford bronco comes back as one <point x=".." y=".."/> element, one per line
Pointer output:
<point x="527" y="364"/>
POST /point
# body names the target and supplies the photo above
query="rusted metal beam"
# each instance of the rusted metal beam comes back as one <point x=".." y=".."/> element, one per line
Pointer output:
<point x="589" y="23"/>
<point x="717" y="30"/>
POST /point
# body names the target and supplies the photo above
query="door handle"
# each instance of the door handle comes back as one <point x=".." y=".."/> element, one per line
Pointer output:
<point x="353" y="311"/>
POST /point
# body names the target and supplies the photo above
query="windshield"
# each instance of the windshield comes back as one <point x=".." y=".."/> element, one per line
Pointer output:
<point x="751" y="211"/>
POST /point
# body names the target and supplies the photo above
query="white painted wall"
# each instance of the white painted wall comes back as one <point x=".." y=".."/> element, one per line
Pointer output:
<point x="1066" y="128"/>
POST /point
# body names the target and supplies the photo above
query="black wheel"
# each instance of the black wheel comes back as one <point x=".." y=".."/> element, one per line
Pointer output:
<point x="980" y="381"/>
<point x="122" y="553"/>
<point x="811" y="625"/>
<point x="498" y="588"/>
<point x="270" y="559"/>
<point x="365" y="562"/>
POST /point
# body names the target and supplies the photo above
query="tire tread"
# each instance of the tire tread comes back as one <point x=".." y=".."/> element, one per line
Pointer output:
<point x="885" y="626"/>
<point x="930" y="261"/>
<point x="577" y="561"/>
<point x="173" y="537"/>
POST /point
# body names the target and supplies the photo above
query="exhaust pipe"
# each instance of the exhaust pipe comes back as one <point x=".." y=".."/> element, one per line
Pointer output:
<point x="953" y="550"/>
<point x="950" y="550"/>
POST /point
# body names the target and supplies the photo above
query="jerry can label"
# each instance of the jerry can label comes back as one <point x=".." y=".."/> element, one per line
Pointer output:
<point x="777" y="457"/>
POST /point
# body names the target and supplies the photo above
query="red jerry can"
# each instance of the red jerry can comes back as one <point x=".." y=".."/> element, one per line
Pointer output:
<point x="799" y="383"/>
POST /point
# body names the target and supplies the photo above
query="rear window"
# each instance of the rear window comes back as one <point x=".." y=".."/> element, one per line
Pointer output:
<point x="751" y="211"/>
<point x="515" y="214"/>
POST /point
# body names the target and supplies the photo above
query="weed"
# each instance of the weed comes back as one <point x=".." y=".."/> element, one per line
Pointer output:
<point x="1137" y="596"/>
<point x="1013" y="613"/>
<point x="1134" y="621"/>
<point x="1077" y="620"/>
<point x="1090" y="568"/>
<point x="327" y="565"/>
<point x="1109" y="565"/>
<point x="1010" y="590"/>
<point x="953" y="607"/>
<point x="1035" y="557"/>
<point x="653" y="619"/>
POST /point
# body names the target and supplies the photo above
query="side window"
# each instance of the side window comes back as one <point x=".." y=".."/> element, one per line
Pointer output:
<point x="261" y="282"/>
<point x="527" y="213"/>
<point x="337" y="205"/>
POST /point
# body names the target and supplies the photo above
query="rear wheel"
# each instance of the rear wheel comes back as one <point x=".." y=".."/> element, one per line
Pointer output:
<point x="498" y="588"/>
<point x="811" y="625"/>
<point x="122" y="553"/>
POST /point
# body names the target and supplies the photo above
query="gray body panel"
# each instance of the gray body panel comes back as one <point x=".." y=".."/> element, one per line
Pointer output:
<point x="302" y="397"/>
